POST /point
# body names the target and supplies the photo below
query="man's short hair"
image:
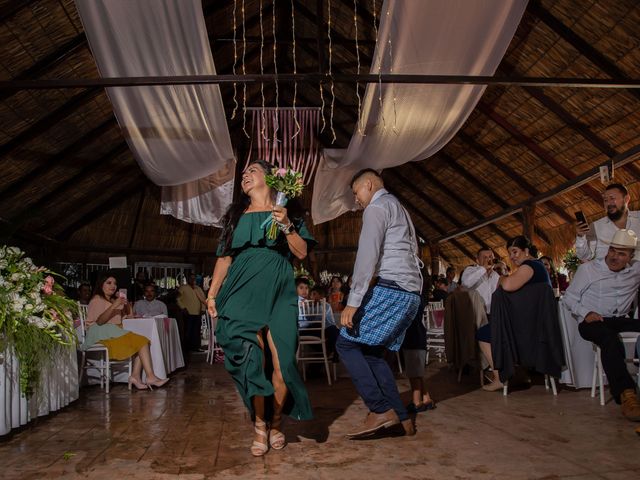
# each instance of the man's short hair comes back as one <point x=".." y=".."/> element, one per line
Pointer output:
<point x="304" y="280"/>
<point x="451" y="269"/>
<point x="618" y="186"/>
<point x="362" y="172"/>
<point x="483" y="249"/>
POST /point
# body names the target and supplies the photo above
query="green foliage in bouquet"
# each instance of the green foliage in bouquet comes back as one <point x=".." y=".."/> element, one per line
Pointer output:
<point x="35" y="315"/>
<point x="571" y="261"/>
<point x="286" y="181"/>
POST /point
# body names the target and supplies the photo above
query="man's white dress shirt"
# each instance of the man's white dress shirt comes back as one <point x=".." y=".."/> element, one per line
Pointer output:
<point x="595" y="288"/>
<point x="150" y="309"/>
<point x="475" y="278"/>
<point x="595" y="244"/>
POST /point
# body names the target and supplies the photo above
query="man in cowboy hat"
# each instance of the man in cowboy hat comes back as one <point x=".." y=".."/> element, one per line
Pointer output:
<point x="601" y="297"/>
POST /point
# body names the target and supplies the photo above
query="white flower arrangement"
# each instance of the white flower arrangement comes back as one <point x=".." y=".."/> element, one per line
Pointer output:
<point x="35" y="315"/>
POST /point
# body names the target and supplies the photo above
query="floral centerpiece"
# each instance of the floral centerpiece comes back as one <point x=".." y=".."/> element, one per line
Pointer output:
<point x="35" y="315"/>
<point x="288" y="184"/>
<point x="303" y="272"/>
<point x="571" y="261"/>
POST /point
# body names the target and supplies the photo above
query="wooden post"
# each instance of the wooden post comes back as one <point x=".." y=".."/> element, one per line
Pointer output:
<point x="434" y="252"/>
<point x="528" y="220"/>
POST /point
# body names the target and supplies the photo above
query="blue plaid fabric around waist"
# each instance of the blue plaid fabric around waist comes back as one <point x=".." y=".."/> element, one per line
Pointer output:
<point x="386" y="312"/>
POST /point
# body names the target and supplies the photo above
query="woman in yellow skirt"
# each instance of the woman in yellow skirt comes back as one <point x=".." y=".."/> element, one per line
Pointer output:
<point x="104" y="325"/>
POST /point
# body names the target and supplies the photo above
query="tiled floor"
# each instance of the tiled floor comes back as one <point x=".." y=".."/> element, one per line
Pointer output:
<point x="197" y="428"/>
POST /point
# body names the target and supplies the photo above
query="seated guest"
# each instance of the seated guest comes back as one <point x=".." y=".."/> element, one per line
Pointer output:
<point x="441" y="291"/>
<point x="524" y="326"/>
<point x="104" y="325"/>
<point x="481" y="277"/>
<point x="149" y="306"/>
<point x="558" y="280"/>
<point x="136" y="289"/>
<point x="302" y="289"/>
<point x="84" y="293"/>
<point x="336" y="294"/>
<point x="450" y="276"/>
<point x="601" y="297"/>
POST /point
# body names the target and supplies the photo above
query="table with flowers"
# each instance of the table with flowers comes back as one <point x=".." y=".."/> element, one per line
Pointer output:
<point x="38" y="363"/>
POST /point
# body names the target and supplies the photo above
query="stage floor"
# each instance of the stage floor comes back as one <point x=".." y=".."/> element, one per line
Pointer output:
<point x="197" y="427"/>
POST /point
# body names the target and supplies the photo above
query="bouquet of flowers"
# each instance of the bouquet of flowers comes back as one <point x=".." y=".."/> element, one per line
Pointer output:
<point x="288" y="184"/>
<point x="35" y="315"/>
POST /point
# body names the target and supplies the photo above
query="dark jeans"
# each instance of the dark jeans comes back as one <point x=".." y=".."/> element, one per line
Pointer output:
<point x="193" y="327"/>
<point x="605" y="335"/>
<point x="371" y="376"/>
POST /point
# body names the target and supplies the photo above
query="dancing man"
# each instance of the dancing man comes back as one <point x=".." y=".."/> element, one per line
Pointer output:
<point x="376" y="317"/>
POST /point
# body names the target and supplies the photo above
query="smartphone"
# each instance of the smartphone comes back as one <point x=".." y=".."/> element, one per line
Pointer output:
<point x="580" y="217"/>
<point x="122" y="293"/>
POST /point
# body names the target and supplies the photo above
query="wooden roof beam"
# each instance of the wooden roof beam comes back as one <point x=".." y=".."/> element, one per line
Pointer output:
<point x="455" y="197"/>
<point x="580" y="44"/>
<point x="57" y="159"/>
<point x="507" y="170"/>
<point x="86" y="172"/>
<point x="630" y="155"/>
<point x="431" y="202"/>
<point x="113" y="200"/>
<point x="428" y="221"/>
<point x="536" y="149"/>
<point x="477" y="183"/>
<point x="49" y="120"/>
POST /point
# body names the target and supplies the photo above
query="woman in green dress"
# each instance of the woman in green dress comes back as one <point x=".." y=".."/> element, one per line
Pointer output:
<point x="254" y="297"/>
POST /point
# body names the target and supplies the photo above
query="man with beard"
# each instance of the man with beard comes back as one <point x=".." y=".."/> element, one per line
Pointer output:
<point x="592" y="242"/>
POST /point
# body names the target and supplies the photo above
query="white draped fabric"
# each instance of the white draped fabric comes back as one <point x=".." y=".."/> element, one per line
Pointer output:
<point x="57" y="388"/>
<point x="178" y="134"/>
<point x="430" y="37"/>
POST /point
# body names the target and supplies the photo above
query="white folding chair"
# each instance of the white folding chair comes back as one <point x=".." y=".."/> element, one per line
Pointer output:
<point x="548" y="380"/>
<point x="434" y="321"/>
<point x="628" y="339"/>
<point x="312" y="345"/>
<point x="102" y="364"/>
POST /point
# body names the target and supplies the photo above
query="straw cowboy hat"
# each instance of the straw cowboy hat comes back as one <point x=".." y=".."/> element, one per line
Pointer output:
<point x="624" y="238"/>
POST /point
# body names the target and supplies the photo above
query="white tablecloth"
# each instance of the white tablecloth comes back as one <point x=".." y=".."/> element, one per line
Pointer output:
<point x="166" y="352"/>
<point x="57" y="388"/>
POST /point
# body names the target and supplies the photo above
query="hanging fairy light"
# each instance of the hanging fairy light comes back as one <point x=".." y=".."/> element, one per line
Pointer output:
<point x="333" y="95"/>
<point x="393" y="89"/>
<point x="244" y="72"/>
<point x="235" y="60"/>
<point x="275" y="69"/>
<point x="324" y="123"/>
<point x="262" y="110"/>
<point x="355" y="23"/>
<point x="375" y="28"/>
<point x="295" y="70"/>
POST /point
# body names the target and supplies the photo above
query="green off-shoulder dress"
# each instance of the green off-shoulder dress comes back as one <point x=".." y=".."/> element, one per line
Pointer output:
<point x="259" y="291"/>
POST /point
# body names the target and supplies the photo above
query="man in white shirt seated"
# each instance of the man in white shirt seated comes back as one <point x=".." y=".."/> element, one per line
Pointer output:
<point x="481" y="277"/>
<point x="592" y="242"/>
<point x="149" y="306"/>
<point x="601" y="297"/>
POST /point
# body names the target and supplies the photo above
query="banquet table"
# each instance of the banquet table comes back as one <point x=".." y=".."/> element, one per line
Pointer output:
<point x="57" y="388"/>
<point x="166" y="351"/>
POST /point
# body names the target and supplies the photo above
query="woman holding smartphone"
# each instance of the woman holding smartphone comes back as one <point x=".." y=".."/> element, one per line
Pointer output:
<point x="107" y="309"/>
